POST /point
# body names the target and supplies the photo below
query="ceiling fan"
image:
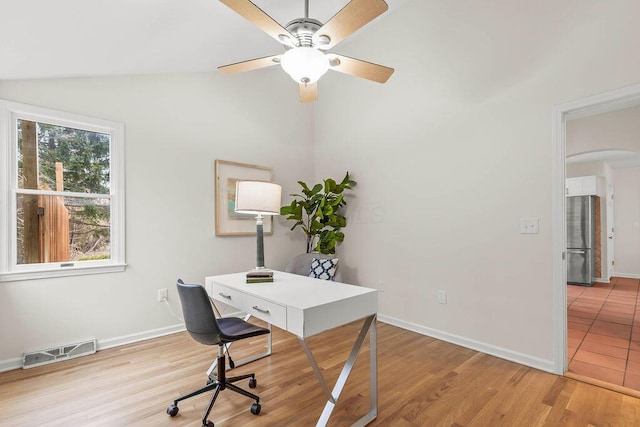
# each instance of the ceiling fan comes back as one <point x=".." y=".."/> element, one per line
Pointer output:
<point x="306" y="40"/>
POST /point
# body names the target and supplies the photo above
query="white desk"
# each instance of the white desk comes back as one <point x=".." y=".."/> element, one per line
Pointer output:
<point x="304" y="307"/>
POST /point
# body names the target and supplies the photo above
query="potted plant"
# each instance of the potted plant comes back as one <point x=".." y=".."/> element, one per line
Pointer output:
<point x="317" y="211"/>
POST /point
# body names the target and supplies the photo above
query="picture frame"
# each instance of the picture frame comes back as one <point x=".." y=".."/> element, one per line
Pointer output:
<point x="228" y="222"/>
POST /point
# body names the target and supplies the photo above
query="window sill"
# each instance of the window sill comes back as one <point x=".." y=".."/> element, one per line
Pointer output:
<point x="58" y="272"/>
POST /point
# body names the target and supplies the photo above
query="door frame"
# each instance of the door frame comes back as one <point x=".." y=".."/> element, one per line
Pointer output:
<point x="610" y="232"/>
<point x="605" y="102"/>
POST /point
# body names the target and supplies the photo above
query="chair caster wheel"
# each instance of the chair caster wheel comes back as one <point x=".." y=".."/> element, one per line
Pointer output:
<point x="208" y="424"/>
<point x="253" y="383"/>
<point x="172" y="410"/>
<point x="255" y="408"/>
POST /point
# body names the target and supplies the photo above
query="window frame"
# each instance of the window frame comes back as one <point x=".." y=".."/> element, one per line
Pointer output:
<point x="10" y="270"/>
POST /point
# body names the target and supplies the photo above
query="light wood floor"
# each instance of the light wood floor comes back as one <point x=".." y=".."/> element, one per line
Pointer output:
<point x="422" y="382"/>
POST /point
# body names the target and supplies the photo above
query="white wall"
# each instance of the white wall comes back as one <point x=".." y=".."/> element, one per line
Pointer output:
<point x="617" y="130"/>
<point x="627" y="222"/>
<point x="597" y="168"/>
<point x="449" y="155"/>
<point x="176" y="127"/>
<point x="456" y="148"/>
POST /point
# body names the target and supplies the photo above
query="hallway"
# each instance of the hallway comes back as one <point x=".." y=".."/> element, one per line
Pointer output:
<point x="604" y="331"/>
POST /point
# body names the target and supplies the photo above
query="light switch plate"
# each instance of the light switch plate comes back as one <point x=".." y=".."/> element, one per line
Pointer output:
<point x="529" y="226"/>
<point x="442" y="297"/>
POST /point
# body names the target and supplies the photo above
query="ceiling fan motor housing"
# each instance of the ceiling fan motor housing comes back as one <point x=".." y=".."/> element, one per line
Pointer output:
<point x="303" y="30"/>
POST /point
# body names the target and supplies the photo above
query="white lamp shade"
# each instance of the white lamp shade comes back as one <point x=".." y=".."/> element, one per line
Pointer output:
<point x="258" y="197"/>
<point x="304" y="64"/>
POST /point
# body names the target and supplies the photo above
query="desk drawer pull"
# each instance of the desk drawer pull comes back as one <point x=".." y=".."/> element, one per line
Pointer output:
<point x="223" y="295"/>
<point x="261" y="310"/>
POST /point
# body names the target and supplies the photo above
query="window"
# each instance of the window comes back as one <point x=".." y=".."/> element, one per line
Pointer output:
<point x="62" y="204"/>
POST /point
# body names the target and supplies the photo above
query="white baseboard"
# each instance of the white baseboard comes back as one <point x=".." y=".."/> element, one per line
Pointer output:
<point x="16" y="363"/>
<point x="10" y="364"/>
<point x="523" y="359"/>
<point x="503" y="353"/>
<point x="140" y="336"/>
<point x="627" y="275"/>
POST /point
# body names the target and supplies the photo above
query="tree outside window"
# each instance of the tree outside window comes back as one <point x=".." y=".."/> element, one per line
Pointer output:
<point x="62" y="228"/>
<point x="64" y="176"/>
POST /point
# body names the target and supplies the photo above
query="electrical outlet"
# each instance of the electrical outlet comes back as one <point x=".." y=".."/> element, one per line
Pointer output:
<point x="163" y="295"/>
<point x="381" y="286"/>
<point x="442" y="297"/>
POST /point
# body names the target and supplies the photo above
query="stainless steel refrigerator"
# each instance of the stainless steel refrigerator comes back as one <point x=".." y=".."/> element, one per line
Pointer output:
<point x="581" y="240"/>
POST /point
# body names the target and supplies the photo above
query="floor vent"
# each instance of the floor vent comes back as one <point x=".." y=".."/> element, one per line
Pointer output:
<point x="57" y="354"/>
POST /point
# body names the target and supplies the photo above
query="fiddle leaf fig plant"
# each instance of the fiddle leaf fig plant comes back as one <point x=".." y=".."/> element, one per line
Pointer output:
<point x="318" y="212"/>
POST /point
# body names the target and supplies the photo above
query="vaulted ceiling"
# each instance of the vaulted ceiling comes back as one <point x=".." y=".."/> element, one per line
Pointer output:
<point x="77" y="38"/>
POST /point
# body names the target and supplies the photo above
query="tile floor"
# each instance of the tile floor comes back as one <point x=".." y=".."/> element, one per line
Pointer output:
<point x="604" y="331"/>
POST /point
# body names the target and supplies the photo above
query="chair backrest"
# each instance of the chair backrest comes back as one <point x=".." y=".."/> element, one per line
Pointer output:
<point x="199" y="318"/>
<point x="301" y="264"/>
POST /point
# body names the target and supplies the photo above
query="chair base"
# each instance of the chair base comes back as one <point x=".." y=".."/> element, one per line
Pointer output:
<point x="221" y="383"/>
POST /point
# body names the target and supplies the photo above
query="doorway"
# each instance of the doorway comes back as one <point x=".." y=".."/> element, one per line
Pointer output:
<point x="602" y="329"/>
<point x="587" y="107"/>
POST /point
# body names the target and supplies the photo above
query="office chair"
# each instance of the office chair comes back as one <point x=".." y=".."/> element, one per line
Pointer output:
<point x="202" y="325"/>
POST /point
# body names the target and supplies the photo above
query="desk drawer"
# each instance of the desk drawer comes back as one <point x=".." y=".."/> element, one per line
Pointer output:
<point x="227" y="295"/>
<point x="266" y="310"/>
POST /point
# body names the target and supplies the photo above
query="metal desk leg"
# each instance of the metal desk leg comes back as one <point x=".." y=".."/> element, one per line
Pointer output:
<point x="213" y="368"/>
<point x="332" y="397"/>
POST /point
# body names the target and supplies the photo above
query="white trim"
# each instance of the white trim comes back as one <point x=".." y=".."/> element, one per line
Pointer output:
<point x="140" y="336"/>
<point x="596" y="104"/>
<point x="607" y="102"/>
<point x="61" y="272"/>
<point x="118" y="183"/>
<point x="63" y="193"/>
<point x="61" y="118"/>
<point x="5" y="189"/>
<point x="627" y="275"/>
<point x="503" y="353"/>
<point x="16" y="363"/>
<point x="558" y="255"/>
<point x="10" y="364"/>
<point x="9" y="269"/>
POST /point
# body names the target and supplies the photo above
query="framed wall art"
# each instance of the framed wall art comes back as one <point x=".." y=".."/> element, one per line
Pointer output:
<point x="228" y="222"/>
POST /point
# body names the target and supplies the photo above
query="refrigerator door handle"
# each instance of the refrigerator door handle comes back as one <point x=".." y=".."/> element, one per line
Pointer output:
<point x="577" y="251"/>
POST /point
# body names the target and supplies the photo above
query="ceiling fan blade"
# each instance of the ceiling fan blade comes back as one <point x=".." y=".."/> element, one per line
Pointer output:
<point x="356" y="14"/>
<point x="359" y="68"/>
<point x="260" y="19"/>
<point x="252" y="64"/>
<point x="309" y="92"/>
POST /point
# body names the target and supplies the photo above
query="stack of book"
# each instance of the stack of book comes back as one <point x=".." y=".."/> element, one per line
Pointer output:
<point x="259" y="276"/>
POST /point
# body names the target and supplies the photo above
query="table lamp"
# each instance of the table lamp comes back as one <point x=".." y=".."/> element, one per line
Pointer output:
<point x="259" y="198"/>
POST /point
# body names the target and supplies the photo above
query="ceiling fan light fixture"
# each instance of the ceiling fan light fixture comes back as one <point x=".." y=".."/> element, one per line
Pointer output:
<point x="304" y="64"/>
